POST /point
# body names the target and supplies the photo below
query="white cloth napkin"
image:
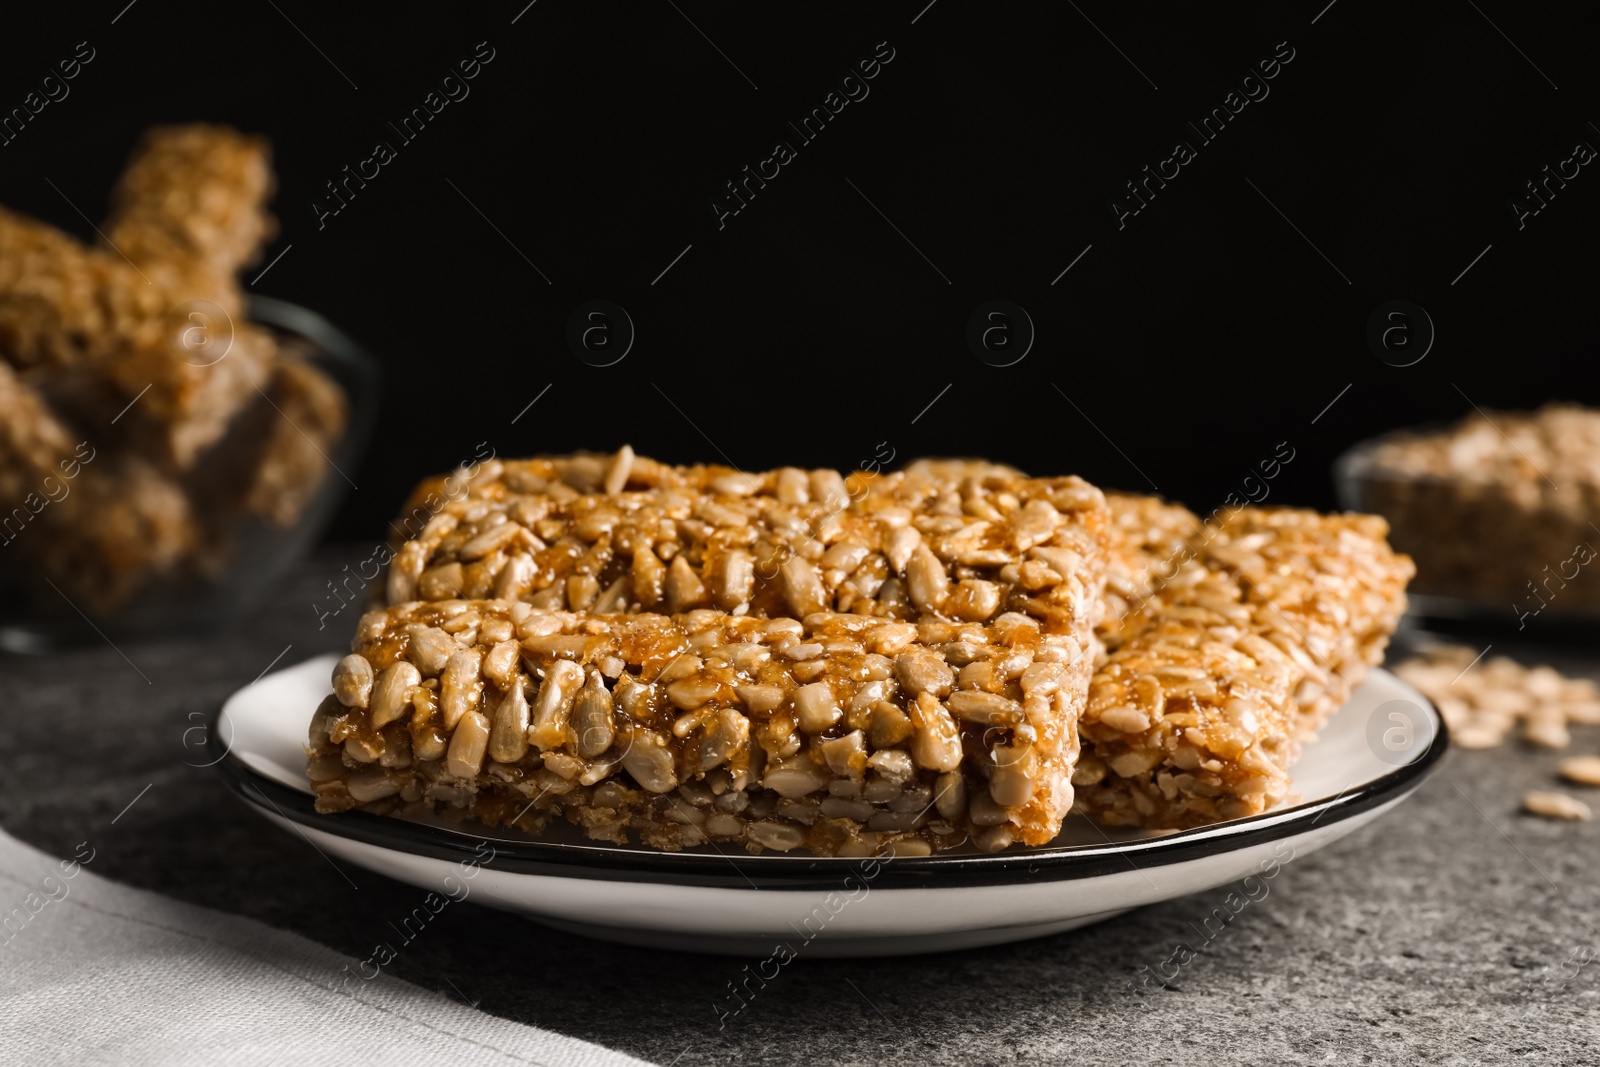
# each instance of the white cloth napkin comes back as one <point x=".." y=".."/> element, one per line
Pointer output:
<point x="94" y="972"/>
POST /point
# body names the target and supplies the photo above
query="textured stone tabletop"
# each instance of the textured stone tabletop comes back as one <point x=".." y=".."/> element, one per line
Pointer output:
<point x="1453" y="931"/>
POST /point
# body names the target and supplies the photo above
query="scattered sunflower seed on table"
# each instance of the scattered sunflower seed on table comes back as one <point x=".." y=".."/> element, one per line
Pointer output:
<point x="1585" y="770"/>
<point x="1556" y="806"/>
<point x="1481" y="703"/>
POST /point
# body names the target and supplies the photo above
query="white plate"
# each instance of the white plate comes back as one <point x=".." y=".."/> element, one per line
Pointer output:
<point x="1374" y="752"/>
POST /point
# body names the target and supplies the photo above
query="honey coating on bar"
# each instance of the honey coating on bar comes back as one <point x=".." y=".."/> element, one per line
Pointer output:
<point x="779" y="543"/>
<point x="842" y="734"/>
<point x="1272" y="616"/>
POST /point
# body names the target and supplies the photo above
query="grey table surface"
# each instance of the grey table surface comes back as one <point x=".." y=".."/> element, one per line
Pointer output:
<point x="1453" y="930"/>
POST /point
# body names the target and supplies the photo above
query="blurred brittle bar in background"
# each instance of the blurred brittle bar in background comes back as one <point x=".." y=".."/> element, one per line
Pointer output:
<point x="104" y="523"/>
<point x="141" y="348"/>
<point x="1270" y="618"/>
<point x="1501" y="507"/>
<point x="289" y="459"/>
<point x="844" y="734"/>
<point x="190" y="210"/>
<point x="95" y="335"/>
<point x="787" y="542"/>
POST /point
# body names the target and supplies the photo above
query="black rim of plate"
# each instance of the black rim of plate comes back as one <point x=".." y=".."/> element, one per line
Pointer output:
<point x="729" y="870"/>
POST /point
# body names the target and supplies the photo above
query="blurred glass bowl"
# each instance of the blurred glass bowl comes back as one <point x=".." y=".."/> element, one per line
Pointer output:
<point x="1490" y="552"/>
<point x="258" y="554"/>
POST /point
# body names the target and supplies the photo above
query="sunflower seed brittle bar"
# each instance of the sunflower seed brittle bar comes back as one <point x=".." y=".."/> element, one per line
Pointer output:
<point x="1149" y="538"/>
<point x="781" y="543"/>
<point x="1332" y="581"/>
<point x="842" y="734"/>
<point x="1269" y="621"/>
<point x="1146" y="537"/>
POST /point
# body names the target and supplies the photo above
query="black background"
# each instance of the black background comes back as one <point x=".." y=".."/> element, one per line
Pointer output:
<point x="809" y="331"/>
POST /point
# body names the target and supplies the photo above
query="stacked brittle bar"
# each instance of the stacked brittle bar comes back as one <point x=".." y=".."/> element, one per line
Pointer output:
<point x="895" y="661"/>
<point x="800" y="659"/>
<point x="138" y="352"/>
<point x="844" y="734"/>
<point x="1268" y="620"/>
<point x="788" y="542"/>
